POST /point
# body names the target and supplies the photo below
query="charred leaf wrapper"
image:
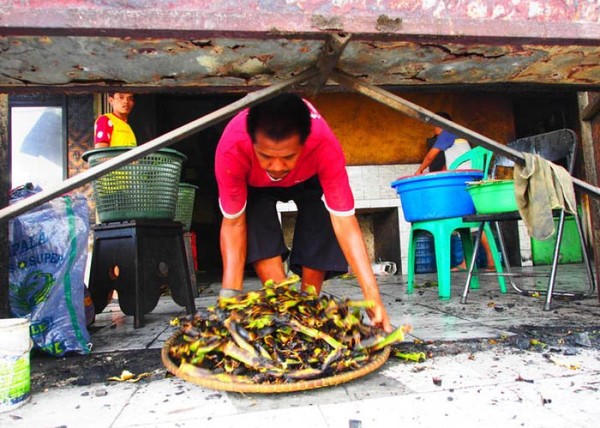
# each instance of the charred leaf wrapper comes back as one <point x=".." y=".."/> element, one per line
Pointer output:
<point x="278" y="335"/>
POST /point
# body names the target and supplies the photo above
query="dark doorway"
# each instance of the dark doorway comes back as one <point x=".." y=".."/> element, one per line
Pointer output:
<point x="538" y="113"/>
<point x="158" y="114"/>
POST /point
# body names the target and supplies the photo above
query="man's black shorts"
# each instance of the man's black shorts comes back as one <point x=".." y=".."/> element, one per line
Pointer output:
<point x="314" y="244"/>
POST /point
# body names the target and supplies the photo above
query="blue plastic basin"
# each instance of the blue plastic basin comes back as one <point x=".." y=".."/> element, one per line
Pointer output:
<point x="436" y="195"/>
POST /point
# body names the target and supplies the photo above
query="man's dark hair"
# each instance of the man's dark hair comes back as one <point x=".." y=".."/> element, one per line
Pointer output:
<point x="113" y="93"/>
<point x="280" y="118"/>
<point x="444" y="115"/>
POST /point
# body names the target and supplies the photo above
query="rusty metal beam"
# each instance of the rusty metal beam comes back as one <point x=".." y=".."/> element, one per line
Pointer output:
<point x="424" y="115"/>
<point x="331" y="53"/>
<point x="163" y="141"/>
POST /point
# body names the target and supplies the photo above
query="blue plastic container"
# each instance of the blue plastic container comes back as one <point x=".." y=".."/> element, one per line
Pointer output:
<point x="436" y="195"/>
<point x="424" y="254"/>
<point x="456" y="251"/>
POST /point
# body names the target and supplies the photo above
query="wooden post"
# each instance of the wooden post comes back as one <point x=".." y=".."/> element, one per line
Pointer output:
<point x="589" y="113"/>
<point x="4" y="188"/>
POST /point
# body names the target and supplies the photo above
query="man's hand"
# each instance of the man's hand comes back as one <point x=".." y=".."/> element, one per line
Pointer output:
<point x="379" y="317"/>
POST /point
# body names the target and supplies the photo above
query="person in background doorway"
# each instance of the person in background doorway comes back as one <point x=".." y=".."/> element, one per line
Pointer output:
<point x="439" y="162"/>
<point x="446" y="144"/>
<point x="112" y="129"/>
<point x="283" y="150"/>
<point x="451" y="147"/>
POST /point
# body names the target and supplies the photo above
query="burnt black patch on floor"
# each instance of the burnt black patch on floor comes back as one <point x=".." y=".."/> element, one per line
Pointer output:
<point x="569" y="338"/>
<point x="51" y="372"/>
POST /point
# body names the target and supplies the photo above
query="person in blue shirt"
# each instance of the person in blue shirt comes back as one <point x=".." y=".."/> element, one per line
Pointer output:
<point x="446" y="144"/>
<point x="451" y="147"/>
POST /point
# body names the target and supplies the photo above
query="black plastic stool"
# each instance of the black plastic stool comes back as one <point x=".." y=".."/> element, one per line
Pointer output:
<point x="136" y="258"/>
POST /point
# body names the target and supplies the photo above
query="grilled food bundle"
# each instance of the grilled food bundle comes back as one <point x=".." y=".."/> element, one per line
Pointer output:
<point x="277" y="335"/>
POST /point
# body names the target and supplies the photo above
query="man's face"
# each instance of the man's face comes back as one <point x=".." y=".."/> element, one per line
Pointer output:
<point x="277" y="158"/>
<point x="122" y="103"/>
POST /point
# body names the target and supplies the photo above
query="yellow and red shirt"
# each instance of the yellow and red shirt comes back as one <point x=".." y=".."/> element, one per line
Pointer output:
<point x="114" y="131"/>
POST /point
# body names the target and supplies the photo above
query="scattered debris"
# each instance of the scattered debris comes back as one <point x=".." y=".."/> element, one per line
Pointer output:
<point x="427" y="284"/>
<point x="101" y="393"/>
<point x="559" y="339"/>
<point x="437" y="381"/>
<point x="521" y="379"/>
<point x="570" y="351"/>
<point x="127" y="376"/>
<point x="552" y="359"/>
<point x="582" y="339"/>
<point x="417" y="357"/>
<point x="522" y="343"/>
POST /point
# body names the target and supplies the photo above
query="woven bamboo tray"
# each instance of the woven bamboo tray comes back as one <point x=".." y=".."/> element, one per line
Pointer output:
<point x="378" y="359"/>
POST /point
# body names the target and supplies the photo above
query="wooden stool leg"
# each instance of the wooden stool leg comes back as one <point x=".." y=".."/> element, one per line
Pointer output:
<point x="187" y="240"/>
<point x="140" y="306"/>
<point x="182" y="292"/>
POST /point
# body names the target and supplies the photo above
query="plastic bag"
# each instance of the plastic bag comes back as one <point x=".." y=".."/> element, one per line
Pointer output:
<point x="48" y="253"/>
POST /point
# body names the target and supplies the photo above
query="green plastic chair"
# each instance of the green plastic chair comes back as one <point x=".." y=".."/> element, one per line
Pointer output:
<point x="480" y="159"/>
<point x="442" y="229"/>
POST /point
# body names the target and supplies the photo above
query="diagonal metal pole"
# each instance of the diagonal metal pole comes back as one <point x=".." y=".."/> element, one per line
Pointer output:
<point x="151" y="146"/>
<point x="424" y="115"/>
<point x="330" y="55"/>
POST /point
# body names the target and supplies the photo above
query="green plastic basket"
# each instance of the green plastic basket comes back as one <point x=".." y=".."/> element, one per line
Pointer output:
<point x="144" y="189"/>
<point x="184" y="210"/>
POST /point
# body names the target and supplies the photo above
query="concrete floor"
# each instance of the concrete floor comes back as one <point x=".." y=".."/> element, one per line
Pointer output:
<point x="482" y="381"/>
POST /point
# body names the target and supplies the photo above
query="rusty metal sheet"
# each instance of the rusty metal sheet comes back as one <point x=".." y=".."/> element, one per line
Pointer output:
<point x="410" y="63"/>
<point x="237" y="63"/>
<point x="237" y="44"/>
<point x="46" y="60"/>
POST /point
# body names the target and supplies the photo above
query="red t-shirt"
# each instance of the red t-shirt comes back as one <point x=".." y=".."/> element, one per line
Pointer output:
<point x="237" y="167"/>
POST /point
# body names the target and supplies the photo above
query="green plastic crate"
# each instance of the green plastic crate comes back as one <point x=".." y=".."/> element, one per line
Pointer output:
<point x="144" y="189"/>
<point x="184" y="210"/>
<point x="570" y="247"/>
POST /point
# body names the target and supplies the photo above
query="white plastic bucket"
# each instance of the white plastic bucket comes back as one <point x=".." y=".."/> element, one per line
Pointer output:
<point x="15" y="374"/>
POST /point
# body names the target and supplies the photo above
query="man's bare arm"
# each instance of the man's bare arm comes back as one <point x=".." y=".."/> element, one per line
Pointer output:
<point x="234" y="240"/>
<point x="351" y="241"/>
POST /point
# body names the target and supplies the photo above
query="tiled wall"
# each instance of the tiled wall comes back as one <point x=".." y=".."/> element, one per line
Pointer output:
<point x="371" y="188"/>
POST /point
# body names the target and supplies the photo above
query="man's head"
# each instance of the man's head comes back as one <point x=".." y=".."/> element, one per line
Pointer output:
<point x="122" y="103"/>
<point x="445" y="115"/>
<point x="278" y="129"/>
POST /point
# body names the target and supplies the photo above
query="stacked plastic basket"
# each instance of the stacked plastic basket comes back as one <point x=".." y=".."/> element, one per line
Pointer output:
<point x="146" y="188"/>
<point x="184" y="209"/>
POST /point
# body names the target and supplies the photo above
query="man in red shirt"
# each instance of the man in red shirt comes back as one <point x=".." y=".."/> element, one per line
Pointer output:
<point x="283" y="150"/>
